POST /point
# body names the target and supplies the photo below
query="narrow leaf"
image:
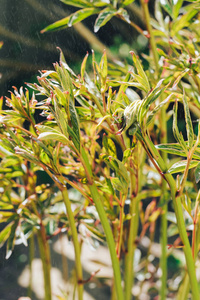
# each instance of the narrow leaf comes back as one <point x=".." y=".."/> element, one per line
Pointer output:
<point x="58" y="25"/>
<point x="140" y="70"/>
<point x="11" y="239"/>
<point x="77" y="3"/>
<point x="183" y="21"/>
<point x="178" y="136"/>
<point x="83" y="65"/>
<point x="104" y="16"/>
<point x="82" y="14"/>
<point x="177" y="4"/>
<point x="75" y="125"/>
<point x="189" y="127"/>
<point x="180" y="166"/>
<point x="4" y="234"/>
<point x="197" y="173"/>
<point x="127" y="2"/>
<point x="167" y="7"/>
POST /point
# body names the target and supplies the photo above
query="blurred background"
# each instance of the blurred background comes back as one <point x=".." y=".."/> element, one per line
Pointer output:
<point x="25" y="50"/>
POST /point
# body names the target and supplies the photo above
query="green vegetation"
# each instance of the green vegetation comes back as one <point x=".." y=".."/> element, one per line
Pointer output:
<point x="105" y="134"/>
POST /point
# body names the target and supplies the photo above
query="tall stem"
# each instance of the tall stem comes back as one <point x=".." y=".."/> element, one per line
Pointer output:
<point x="163" y="233"/>
<point x="45" y="257"/>
<point x="106" y="226"/>
<point x="179" y="216"/>
<point x="75" y="242"/>
<point x="133" y="229"/>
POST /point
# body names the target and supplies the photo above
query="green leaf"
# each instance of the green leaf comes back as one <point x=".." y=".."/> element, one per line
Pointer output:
<point x="118" y="167"/>
<point x="77" y="3"/>
<point x="104" y="66"/>
<point x="167" y="7"/>
<point x="11" y="239"/>
<point x="149" y="99"/>
<point x="118" y="184"/>
<point x="177" y="4"/>
<point x="189" y="127"/>
<point x="183" y="21"/>
<point x="104" y="16"/>
<point x="176" y="149"/>
<point x="178" y="136"/>
<point x="49" y="133"/>
<point x="124" y="15"/>
<point x="140" y="71"/>
<point x="180" y="166"/>
<point x="27" y="155"/>
<point x="110" y="147"/>
<point x="75" y="126"/>
<point x="64" y="64"/>
<point x="43" y="146"/>
<point x="58" y="25"/>
<point x="157" y="109"/>
<point x="61" y="117"/>
<point x="4" y="234"/>
<point x="82" y="14"/>
<point x="127" y="2"/>
<point x="83" y="65"/>
<point x="109" y="184"/>
<point x="197" y="173"/>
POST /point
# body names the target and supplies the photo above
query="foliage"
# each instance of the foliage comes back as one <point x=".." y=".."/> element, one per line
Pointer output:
<point x="104" y="135"/>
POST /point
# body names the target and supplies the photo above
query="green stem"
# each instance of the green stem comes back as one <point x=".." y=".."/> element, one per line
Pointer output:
<point x="179" y="216"/>
<point x="77" y="250"/>
<point x="144" y="4"/>
<point x="106" y="226"/>
<point x="133" y="229"/>
<point x="163" y="233"/>
<point x="109" y="237"/>
<point x="45" y="257"/>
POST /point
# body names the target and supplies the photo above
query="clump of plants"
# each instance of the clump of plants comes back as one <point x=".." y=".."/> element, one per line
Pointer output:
<point x="113" y="135"/>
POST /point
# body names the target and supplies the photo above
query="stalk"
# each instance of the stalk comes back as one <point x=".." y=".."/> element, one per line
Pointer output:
<point x="163" y="233"/>
<point x="77" y="250"/>
<point x="106" y="226"/>
<point x="45" y="257"/>
<point x="133" y="229"/>
<point x="179" y="216"/>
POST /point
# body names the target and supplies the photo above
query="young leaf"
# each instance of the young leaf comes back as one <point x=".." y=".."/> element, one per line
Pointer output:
<point x="49" y="133"/>
<point x="180" y="166"/>
<point x="197" y="173"/>
<point x="75" y="126"/>
<point x="77" y="3"/>
<point x="11" y="239"/>
<point x="104" y="16"/>
<point x="140" y="70"/>
<point x="61" y="117"/>
<point x="183" y="21"/>
<point x="177" y="4"/>
<point x="83" y="65"/>
<point x="110" y="147"/>
<point x="127" y="2"/>
<point x="156" y="109"/>
<point x="178" y="136"/>
<point x="4" y="234"/>
<point x="82" y="14"/>
<point x="104" y="66"/>
<point x="189" y="127"/>
<point x="167" y="7"/>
